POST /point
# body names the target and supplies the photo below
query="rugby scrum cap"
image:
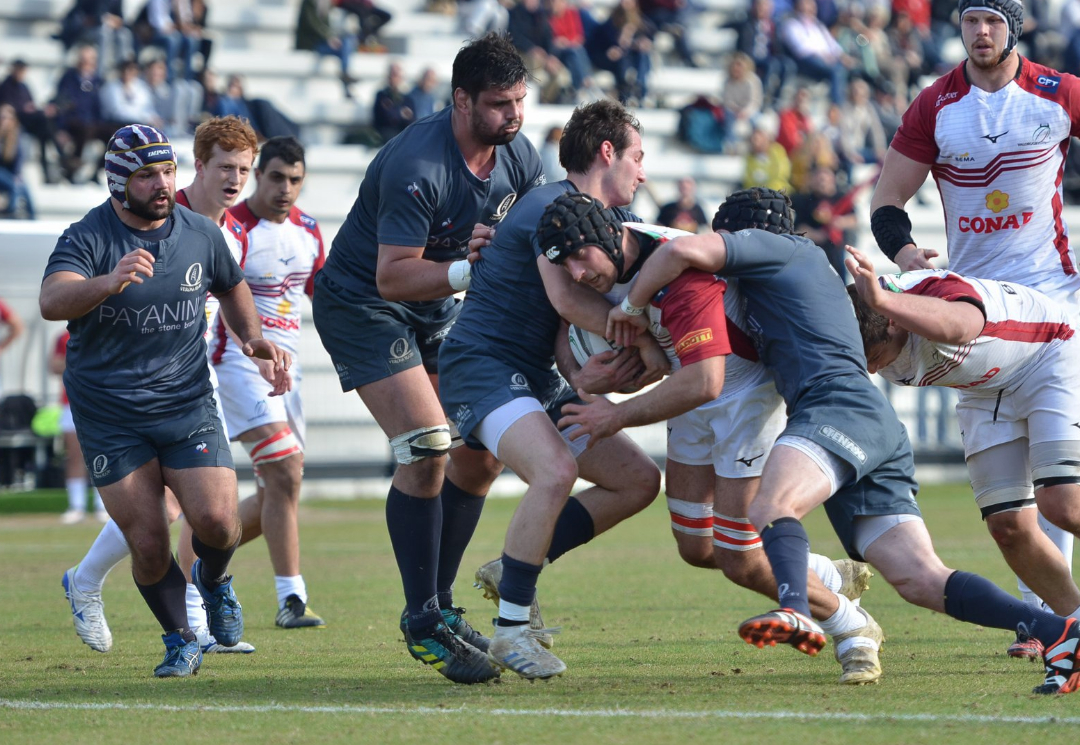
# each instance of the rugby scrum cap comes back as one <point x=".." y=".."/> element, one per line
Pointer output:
<point x="131" y="149"/>
<point x="574" y="220"/>
<point x="1010" y="11"/>
<point x="756" y="208"/>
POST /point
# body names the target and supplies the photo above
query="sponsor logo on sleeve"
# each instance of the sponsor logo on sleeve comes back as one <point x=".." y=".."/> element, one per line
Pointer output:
<point x="693" y="339"/>
<point x="1048" y="83"/>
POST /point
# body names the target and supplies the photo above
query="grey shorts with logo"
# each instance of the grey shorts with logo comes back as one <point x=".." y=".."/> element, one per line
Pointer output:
<point x="860" y="427"/>
<point x="189" y="439"/>
<point x="369" y="338"/>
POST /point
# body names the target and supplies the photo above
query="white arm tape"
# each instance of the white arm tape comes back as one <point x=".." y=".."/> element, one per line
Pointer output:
<point x="459" y="274"/>
<point x="629" y="309"/>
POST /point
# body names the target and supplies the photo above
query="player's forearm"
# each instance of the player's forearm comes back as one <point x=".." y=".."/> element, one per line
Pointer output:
<point x="933" y="318"/>
<point x="684" y="390"/>
<point x="707" y="252"/>
<point x="66" y="298"/>
<point x="238" y="310"/>
<point x="413" y="279"/>
<point x="582" y="306"/>
<point x="564" y="356"/>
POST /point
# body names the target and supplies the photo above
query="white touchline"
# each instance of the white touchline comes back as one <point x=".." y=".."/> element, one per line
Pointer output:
<point x="578" y="713"/>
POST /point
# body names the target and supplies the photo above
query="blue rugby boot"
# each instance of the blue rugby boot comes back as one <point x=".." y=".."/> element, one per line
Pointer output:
<point x="223" y="613"/>
<point x="182" y="659"/>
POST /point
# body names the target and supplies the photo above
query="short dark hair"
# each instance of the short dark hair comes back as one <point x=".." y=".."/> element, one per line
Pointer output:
<point x="288" y="148"/>
<point x="873" y="326"/>
<point x="590" y="126"/>
<point x="488" y="63"/>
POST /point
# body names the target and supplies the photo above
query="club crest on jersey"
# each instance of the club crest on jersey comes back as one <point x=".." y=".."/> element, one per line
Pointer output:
<point x="504" y="207"/>
<point x="192" y="279"/>
<point x="1040" y="136"/>
<point x="1048" y="83"/>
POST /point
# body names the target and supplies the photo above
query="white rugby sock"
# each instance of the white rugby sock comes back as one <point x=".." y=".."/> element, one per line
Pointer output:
<point x="826" y="571"/>
<point x="847" y="618"/>
<point x="108" y="550"/>
<point x="196" y="613"/>
<point x="287" y="586"/>
<point x="512" y="612"/>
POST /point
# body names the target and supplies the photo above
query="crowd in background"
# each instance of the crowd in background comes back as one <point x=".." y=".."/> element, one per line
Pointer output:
<point x="810" y="86"/>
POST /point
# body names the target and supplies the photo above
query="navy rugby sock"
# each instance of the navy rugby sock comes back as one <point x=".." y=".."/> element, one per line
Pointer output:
<point x="574" y="528"/>
<point x="788" y="548"/>
<point x="460" y="514"/>
<point x="215" y="561"/>
<point x="518" y="585"/>
<point x="167" y="601"/>
<point x="415" y="525"/>
<point x="974" y="599"/>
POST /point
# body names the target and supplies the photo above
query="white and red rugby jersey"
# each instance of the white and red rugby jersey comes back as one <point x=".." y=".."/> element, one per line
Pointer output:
<point x="1022" y="325"/>
<point x="998" y="160"/>
<point x="282" y="260"/>
<point x="236" y="238"/>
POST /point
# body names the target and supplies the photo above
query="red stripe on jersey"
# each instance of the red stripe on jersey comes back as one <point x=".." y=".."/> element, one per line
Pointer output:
<point x="692" y="522"/>
<point x="244" y="214"/>
<point x="951" y="287"/>
<point x="1026" y="331"/>
<point x="978" y="178"/>
<point x="1061" y="241"/>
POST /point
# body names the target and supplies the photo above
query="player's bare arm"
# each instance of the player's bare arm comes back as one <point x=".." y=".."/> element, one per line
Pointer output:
<point x="706" y="252"/>
<point x="68" y="295"/>
<point x="929" y="317"/>
<point x="686" y="389"/>
<point x="402" y="274"/>
<point x="900" y="178"/>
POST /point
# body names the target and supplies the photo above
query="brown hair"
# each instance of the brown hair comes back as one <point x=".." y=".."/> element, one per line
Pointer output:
<point x="231" y="133"/>
<point x="873" y="326"/>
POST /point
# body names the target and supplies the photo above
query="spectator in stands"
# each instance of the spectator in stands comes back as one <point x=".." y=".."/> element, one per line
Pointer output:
<point x="128" y="99"/>
<point x="549" y="155"/>
<point x="265" y="118"/>
<point x="622" y="45"/>
<point x="530" y="30"/>
<point x="391" y="112"/>
<point x="421" y="98"/>
<point x="478" y="17"/>
<point x="170" y="25"/>
<point x="833" y="131"/>
<point x="767" y="163"/>
<point x="13" y="327"/>
<point x="863" y="136"/>
<point x="742" y="95"/>
<point x="371" y="19"/>
<point x="178" y="104"/>
<point x="795" y="122"/>
<point x="685" y="213"/>
<point x="568" y="40"/>
<point x="40" y="123"/>
<point x="826" y="217"/>
<point x="907" y="49"/>
<point x="12" y="184"/>
<point x="757" y="37"/>
<point x="1070" y="30"/>
<point x="672" y="17"/>
<point x="889" y="106"/>
<point x="817" y="151"/>
<point x="314" y="34"/>
<point x="100" y="23"/>
<point x="79" y="117"/>
<point x="888" y="67"/>
<point x="919" y="13"/>
<point x="817" y="53"/>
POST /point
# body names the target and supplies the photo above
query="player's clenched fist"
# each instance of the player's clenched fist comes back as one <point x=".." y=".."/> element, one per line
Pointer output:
<point x="129" y="268"/>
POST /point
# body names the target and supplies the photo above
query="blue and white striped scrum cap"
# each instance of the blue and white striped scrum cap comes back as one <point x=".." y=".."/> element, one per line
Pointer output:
<point x="130" y="149"/>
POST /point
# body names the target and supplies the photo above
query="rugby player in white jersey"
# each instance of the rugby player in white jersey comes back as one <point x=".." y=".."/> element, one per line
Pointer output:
<point x="1014" y="358"/>
<point x="994" y="133"/>
<point x="285" y="251"/>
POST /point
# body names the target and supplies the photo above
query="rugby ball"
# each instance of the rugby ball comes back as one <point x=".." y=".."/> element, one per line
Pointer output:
<point x="584" y="344"/>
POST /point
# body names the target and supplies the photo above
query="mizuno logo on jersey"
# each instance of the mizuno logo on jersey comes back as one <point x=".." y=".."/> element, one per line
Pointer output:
<point x="994" y="138"/>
